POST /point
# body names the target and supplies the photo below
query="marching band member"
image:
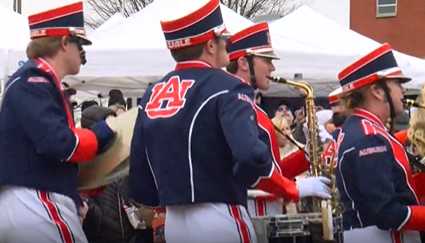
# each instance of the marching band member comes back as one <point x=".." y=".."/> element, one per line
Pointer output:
<point x="338" y="109"/>
<point x="40" y="147"/>
<point x="413" y="140"/>
<point x="196" y="147"/>
<point x="373" y="173"/>
<point x="329" y="156"/>
<point x="251" y="56"/>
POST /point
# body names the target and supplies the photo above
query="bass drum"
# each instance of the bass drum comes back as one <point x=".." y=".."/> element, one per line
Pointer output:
<point x="297" y="228"/>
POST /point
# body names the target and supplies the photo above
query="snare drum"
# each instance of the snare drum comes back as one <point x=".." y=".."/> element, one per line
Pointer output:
<point x="297" y="228"/>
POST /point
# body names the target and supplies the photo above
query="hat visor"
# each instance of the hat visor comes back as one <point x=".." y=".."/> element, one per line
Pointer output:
<point x="400" y="78"/>
<point x="84" y="40"/>
<point x="335" y="96"/>
<point x="225" y="35"/>
<point x="269" y="54"/>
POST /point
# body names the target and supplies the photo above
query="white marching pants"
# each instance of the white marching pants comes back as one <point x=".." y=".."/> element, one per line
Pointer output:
<point x="28" y="216"/>
<point x="374" y="235"/>
<point x="264" y="207"/>
<point x="208" y="223"/>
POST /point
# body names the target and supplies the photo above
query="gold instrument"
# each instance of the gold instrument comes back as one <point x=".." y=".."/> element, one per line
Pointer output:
<point x="412" y="103"/>
<point x="327" y="207"/>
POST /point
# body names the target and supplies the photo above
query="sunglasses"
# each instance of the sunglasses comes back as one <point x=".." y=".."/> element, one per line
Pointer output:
<point x="76" y="40"/>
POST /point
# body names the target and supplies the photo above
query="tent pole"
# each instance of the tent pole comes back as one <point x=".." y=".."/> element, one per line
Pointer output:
<point x="5" y="76"/>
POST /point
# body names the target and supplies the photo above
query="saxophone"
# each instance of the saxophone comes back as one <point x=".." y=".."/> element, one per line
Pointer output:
<point x="327" y="207"/>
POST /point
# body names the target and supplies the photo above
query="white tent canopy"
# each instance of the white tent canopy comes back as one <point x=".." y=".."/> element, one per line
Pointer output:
<point x="341" y="47"/>
<point x="14" y="28"/>
<point x="129" y="53"/>
<point x="133" y="53"/>
<point x="114" y="20"/>
<point x="140" y="56"/>
<point x="15" y="36"/>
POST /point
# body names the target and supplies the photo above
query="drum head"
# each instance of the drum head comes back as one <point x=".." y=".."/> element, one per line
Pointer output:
<point x="112" y="163"/>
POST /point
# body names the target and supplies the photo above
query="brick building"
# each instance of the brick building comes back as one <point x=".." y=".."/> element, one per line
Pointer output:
<point x="399" y="22"/>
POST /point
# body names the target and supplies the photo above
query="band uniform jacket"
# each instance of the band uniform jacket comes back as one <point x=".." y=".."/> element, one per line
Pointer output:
<point x="39" y="145"/>
<point x="292" y="165"/>
<point x="374" y="179"/>
<point x="196" y="140"/>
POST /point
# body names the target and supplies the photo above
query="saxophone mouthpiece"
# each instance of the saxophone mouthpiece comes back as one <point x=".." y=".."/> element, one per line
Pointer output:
<point x="277" y="79"/>
<point x="412" y="103"/>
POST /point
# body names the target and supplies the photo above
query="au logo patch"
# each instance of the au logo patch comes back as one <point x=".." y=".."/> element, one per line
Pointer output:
<point x="168" y="97"/>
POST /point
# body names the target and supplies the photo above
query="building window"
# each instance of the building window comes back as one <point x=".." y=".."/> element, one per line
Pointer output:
<point x="386" y="8"/>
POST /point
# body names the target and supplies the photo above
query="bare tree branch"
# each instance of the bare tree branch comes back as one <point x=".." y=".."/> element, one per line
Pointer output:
<point x="254" y="8"/>
<point x="104" y="9"/>
<point x="251" y="9"/>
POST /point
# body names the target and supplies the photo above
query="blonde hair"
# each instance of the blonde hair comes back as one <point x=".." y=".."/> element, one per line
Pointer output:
<point x="43" y="47"/>
<point x="279" y="122"/>
<point x="416" y="130"/>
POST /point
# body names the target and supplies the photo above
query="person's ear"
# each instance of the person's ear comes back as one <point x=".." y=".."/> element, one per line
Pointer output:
<point x="210" y="46"/>
<point x="64" y="42"/>
<point x="378" y="92"/>
<point x="243" y="64"/>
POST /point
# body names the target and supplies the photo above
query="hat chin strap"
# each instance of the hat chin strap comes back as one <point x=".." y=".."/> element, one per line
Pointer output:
<point x="391" y="104"/>
<point x="253" y="82"/>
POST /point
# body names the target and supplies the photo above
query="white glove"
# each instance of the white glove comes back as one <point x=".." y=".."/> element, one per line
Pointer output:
<point x="258" y="193"/>
<point x="314" y="187"/>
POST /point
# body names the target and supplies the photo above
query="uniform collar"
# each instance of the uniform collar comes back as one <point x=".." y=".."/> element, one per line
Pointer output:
<point x="259" y="109"/>
<point x="192" y="64"/>
<point x="46" y="67"/>
<point x="369" y="116"/>
<point x="240" y="78"/>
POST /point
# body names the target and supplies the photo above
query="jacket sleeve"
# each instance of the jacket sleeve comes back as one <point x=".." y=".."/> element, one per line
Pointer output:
<point x="370" y="168"/>
<point x="238" y="121"/>
<point x="279" y="185"/>
<point x="252" y="158"/>
<point x="44" y="121"/>
<point x="419" y="184"/>
<point x="416" y="219"/>
<point x="294" y="164"/>
<point x="142" y="183"/>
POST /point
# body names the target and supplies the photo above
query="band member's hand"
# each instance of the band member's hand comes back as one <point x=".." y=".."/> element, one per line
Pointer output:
<point x="314" y="187"/>
<point x="94" y="114"/>
<point x="146" y="214"/>
<point x="83" y="211"/>
<point x="104" y="135"/>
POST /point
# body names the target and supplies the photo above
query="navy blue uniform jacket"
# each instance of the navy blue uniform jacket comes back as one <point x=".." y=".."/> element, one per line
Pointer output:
<point x="196" y="140"/>
<point x="39" y="144"/>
